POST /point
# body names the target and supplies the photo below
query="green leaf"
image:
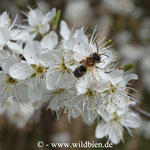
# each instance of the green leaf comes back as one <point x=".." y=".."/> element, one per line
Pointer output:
<point x="126" y="67"/>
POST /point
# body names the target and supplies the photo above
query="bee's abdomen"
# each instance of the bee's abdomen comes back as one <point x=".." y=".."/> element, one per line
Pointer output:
<point x="80" y="71"/>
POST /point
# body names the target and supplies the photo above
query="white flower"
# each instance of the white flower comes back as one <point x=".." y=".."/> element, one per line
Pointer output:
<point x="58" y="75"/>
<point x="78" y="48"/>
<point x="38" y="22"/>
<point x="34" y="68"/>
<point x="48" y="70"/>
<point x="86" y="104"/>
<point x="114" y="127"/>
<point x="18" y="113"/>
<point x="117" y="94"/>
<point x="7" y="34"/>
<point x="59" y="100"/>
<point x="9" y="86"/>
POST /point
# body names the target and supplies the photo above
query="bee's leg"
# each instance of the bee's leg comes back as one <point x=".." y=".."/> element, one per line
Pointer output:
<point x="103" y="69"/>
<point x="107" y="72"/>
<point x="82" y="61"/>
<point x="104" y="55"/>
<point x="98" y="68"/>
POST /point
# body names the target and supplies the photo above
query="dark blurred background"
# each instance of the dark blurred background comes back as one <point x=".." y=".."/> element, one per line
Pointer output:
<point x="127" y="24"/>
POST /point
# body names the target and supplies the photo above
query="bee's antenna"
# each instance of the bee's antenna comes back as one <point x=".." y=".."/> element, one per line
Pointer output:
<point x="96" y="46"/>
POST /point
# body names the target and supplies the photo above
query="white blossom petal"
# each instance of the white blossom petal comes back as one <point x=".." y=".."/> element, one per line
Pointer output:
<point x="15" y="47"/>
<point x="64" y="30"/>
<point x="131" y="120"/>
<point x="101" y="130"/>
<point x="36" y="93"/>
<point x="21" y="71"/>
<point x="49" y="16"/>
<point x="31" y="52"/>
<point x="50" y="41"/>
<point x="5" y="36"/>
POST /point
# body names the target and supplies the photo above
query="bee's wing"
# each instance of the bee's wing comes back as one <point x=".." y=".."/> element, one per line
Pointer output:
<point x="72" y="56"/>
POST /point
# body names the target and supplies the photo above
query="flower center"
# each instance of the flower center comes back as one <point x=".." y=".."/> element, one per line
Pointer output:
<point x="59" y="91"/>
<point x="116" y="117"/>
<point x="10" y="80"/>
<point x="90" y="93"/>
<point x="39" y="70"/>
<point x="113" y="88"/>
<point x="63" y="67"/>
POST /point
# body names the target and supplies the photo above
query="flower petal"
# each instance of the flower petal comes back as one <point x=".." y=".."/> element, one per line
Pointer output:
<point x="44" y="28"/>
<point x="131" y="120"/>
<point x="64" y="30"/>
<point x="101" y="130"/>
<point x="83" y="84"/>
<point x="15" y="47"/>
<point x="114" y="133"/>
<point x="19" y="34"/>
<point x="53" y="79"/>
<point x="20" y="71"/>
<point x="50" y="41"/>
<point x="5" y="36"/>
<point x="31" y="52"/>
<point x="36" y="93"/>
<point x="49" y="16"/>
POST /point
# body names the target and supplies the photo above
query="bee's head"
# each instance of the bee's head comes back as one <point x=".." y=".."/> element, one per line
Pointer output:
<point x="96" y="57"/>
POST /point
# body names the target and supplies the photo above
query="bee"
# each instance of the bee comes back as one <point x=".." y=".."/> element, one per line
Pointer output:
<point x="90" y="61"/>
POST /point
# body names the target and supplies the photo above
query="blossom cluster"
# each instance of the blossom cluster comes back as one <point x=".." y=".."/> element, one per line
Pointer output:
<point x="67" y="71"/>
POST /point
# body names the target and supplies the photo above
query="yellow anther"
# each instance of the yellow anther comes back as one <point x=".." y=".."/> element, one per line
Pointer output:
<point x="8" y="90"/>
<point x="33" y="105"/>
<point x="128" y="100"/>
<point x="9" y="20"/>
<point x="65" y="111"/>
<point x="96" y="108"/>
<point x="105" y="44"/>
